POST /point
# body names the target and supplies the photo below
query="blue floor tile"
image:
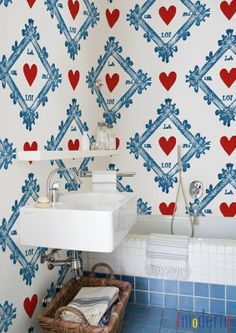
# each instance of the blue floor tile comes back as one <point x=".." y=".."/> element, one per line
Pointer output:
<point x="167" y="330"/>
<point x="140" y="320"/>
<point x="138" y="310"/>
<point x="143" y="319"/>
<point x="151" y="329"/>
<point x="133" y="328"/>
<point x="233" y="322"/>
<point x="167" y="323"/>
<point x="170" y="314"/>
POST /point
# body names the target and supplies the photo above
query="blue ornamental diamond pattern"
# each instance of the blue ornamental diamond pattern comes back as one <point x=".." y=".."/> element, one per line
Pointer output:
<point x="7" y="315"/>
<point x="28" y="268"/>
<point x="5" y="3"/>
<point x="7" y="154"/>
<point x="140" y="81"/>
<point x="226" y="177"/>
<point x="73" y="43"/>
<point x="165" y="50"/>
<point x="31" y="37"/>
<point x="198" y="145"/>
<point x="197" y="79"/>
<point x="73" y="114"/>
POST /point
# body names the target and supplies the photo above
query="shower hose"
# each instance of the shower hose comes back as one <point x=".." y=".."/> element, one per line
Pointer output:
<point x="181" y="188"/>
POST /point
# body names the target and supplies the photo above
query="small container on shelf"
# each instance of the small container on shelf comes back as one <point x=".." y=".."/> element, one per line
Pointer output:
<point x="105" y="136"/>
<point x="111" y="137"/>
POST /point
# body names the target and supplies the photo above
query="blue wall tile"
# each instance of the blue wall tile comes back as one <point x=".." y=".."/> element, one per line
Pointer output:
<point x="186" y="303"/>
<point x="201" y="304"/>
<point x="217" y="306"/>
<point x="141" y="283"/>
<point x="231" y="308"/>
<point x="129" y="279"/>
<point x="170" y="287"/>
<point x="156" y="285"/>
<point x="201" y="289"/>
<point x="171" y="301"/>
<point x="185" y="288"/>
<point x="217" y="291"/>
<point x="131" y="297"/>
<point x="141" y="297"/>
<point x="231" y="292"/>
<point x="156" y="299"/>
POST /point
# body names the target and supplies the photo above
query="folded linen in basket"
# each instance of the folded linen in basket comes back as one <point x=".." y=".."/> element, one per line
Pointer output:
<point x="93" y="302"/>
<point x="167" y="256"/>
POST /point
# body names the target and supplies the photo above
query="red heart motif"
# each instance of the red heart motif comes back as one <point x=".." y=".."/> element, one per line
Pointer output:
<point x="228" y="210"/>
<point x="229" y="145"/>
<point x="228" y="77"/>
<point x="168" y="80"/>
<point x="30" y="147"/>
<point x="73" y="145"/>
<point x="30" y="73"/>
<point x="112" y="17"/>
<point x="167" y="145"/>
<point x="112" y="81"/>
<point x="117" y="143"/>
<point x="167" y="15"/>
<point x="74" y="7"/>
<point x="167" y="209"/>
<point x="228" y="9"/>
<point x="31" y="3"/>
<point x="30" y="305"/>
<point x="74" y="78"/>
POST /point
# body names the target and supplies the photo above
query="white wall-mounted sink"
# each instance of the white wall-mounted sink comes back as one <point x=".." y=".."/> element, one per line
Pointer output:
<point x="81" y="221"/>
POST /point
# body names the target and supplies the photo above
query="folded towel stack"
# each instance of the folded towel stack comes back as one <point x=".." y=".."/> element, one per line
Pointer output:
<point x="167" y="256"/>
<point x="104" y="181"/>
<point x="93" y="302"/>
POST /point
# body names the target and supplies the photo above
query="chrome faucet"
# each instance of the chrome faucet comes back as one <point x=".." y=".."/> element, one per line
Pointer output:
<point x="53" y="191"/>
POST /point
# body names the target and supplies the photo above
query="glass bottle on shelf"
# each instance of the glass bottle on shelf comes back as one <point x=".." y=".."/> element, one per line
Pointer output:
<point x="99" y="140"/>
<point x="105" y="136"/>
<point x="112" y="137"/>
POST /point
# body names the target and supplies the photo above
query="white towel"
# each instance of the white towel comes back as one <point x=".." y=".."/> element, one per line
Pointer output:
<point x="93" y="302"/>
<point x="104" y="181"/>
<point x="167" y="256"/>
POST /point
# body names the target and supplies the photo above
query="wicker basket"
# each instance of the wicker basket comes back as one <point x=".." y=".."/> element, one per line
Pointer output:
<point x="50" y="320"/>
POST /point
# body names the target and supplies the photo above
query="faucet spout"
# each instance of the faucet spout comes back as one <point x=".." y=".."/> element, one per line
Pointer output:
<point x="53" y="191"/>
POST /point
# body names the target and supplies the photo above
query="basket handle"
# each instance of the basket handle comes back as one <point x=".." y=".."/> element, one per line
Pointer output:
<point x="102" y="264"/>
<point x="73" y="310"/>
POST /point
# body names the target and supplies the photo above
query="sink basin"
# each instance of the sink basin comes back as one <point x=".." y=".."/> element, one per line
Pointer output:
<point x="81" y="221"/>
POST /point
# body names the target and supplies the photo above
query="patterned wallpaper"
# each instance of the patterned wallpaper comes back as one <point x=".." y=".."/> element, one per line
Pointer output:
<point x="171" y="71"/>
<point x="162" y="72"/>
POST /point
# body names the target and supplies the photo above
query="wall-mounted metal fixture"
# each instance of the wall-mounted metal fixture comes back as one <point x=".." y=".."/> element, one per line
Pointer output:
<point x="75" y="262"/>
<point x="196" y="192"/>
<point x="87" y="174"/>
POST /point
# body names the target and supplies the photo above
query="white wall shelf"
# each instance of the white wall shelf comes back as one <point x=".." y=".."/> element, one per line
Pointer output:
<point x="44" y="155"/>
